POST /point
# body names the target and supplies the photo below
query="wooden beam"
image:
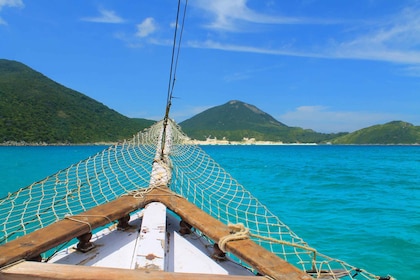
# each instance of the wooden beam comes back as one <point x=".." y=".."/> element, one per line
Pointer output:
<point x="47" y="271"/>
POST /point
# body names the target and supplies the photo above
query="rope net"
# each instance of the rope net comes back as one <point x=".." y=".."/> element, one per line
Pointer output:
<point x="127" y="167"/>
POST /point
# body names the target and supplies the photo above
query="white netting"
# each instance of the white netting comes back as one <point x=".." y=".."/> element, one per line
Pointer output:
<point x="127" y="167"/>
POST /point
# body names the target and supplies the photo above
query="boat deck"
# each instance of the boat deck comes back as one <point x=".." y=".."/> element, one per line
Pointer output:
<point x="151" y="248"/>
<point x="133" y="248"/>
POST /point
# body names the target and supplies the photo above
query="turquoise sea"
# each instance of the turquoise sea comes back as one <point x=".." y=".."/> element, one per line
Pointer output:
<point x="360" y="204"/>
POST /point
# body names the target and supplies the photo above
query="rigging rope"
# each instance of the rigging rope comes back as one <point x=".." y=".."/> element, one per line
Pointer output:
<point x="173" y="68"/>
<point x="175" y="57"/>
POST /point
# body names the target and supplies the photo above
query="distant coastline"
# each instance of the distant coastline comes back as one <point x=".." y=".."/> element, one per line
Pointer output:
<point x="207" y="142"/>
<point x="41" y="144"/>
<point x="245" y="141"/>
<point x="274" y="143"/>
<point x="190" y="142"/>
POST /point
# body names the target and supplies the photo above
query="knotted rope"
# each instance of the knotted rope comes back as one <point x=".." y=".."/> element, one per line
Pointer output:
<point x="240" y="232"/>
<point x="237" y="232"/>
<point x="72" y="218"/>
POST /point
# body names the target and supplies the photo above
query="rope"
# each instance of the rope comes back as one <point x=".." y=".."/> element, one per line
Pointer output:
<point x="237" y="232"/>
<point x="282" y="242"/>
<point x="174" y="59"/>
<point x="71" y="218"/>
<point x="142" y="193"/>
<point x="173" y="68"/>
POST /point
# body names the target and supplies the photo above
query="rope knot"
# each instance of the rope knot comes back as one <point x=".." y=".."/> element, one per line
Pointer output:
<point x="237" y="232"/>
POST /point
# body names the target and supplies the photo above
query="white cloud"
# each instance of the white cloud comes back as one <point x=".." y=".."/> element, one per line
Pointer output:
<point x="211" y="44"/>
<point x="395" y="38"/>
<point x="231" y="15"/>
<point x="413" y="71"/>
<point x="322" y="119"/>
<point x="146" y="27"/>
<point x="11" y="4"/>
<point x="143" y="35"/>
<point x="106" y="16"/>
<point x="337" y="52"/>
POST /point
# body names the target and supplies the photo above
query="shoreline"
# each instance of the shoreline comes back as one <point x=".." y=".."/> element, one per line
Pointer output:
<point x="213" y="142"/>
<point x="43" y="144"/>
<point x="208" y="142"/>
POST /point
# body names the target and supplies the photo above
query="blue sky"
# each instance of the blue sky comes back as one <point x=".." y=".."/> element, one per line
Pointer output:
<point x="326" y="65"/>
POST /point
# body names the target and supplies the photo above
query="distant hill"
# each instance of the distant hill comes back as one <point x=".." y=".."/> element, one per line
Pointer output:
<point x="236" y="120"/>
<point x="396" y="132"/>
<point x="33" y="108"/>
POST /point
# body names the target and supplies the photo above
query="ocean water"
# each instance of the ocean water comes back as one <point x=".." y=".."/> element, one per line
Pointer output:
<point x="360" y="204"/>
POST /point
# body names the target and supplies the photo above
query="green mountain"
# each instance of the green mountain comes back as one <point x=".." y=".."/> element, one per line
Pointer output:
<point x="33" y="108"/>
<point x="236" y="120"/>
<point x="396" y="132"/>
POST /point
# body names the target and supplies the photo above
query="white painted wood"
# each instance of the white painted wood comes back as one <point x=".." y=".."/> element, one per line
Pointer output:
<point x="191" y="253"/>
<point x="150" y="252"/>
<point x="122" y="249"/>
<point x="113" y="248"/>
<point x="188" y="258"/>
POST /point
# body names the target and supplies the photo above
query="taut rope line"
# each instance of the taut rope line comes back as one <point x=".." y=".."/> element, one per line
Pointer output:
<point x="173" y="68"/>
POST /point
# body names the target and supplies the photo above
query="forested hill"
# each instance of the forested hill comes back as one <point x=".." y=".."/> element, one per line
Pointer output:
<point x="395" y="132"/>
<point x="236" y="120"/>
<point x="34" y="109"/>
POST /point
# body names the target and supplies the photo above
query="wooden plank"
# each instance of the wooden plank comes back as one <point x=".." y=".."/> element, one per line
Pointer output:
<point x="113" y="248"/>
<point x="42" y="240"/>
<point x="46" y="271"/>
<point x="150" y="251"/>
